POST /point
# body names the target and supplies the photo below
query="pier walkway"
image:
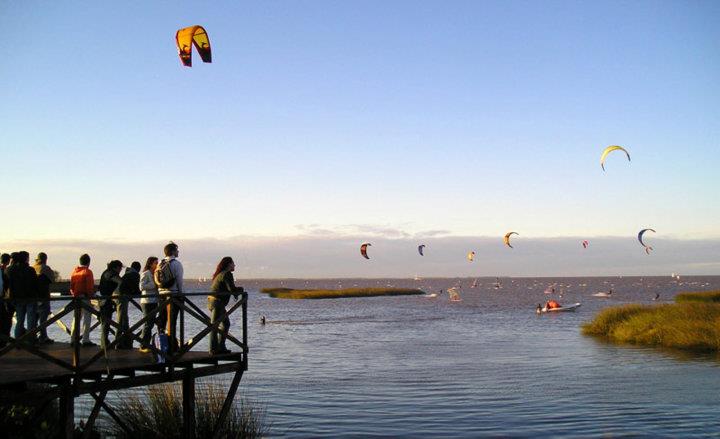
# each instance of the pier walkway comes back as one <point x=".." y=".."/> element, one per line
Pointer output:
<point x="65" y="370"/>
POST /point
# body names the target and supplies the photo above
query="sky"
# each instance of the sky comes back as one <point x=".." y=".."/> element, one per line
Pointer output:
<point x="332" y="122"/>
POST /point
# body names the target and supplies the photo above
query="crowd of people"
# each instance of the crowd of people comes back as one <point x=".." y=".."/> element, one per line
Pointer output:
<point x="26" y="297"/>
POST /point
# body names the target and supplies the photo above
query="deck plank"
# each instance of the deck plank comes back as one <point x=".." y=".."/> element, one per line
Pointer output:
<point x="19" y="365"/>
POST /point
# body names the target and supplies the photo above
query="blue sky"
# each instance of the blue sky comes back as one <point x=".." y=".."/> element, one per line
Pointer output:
<point x="472" y="118"/>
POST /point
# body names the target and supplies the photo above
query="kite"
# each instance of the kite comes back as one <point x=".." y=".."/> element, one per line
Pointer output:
<point x="585" y="244"/>
<point x="507" y="238"/>
<point x="363" y="250"/>
<point x="471" y="256"/>
<point x="420" y="249"/>
<point x="610" y="149"/>
<point x="189" y="36"/>
<point x="640" y="237"/>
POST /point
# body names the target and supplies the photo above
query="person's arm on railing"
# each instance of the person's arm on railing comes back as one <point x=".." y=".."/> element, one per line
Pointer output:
<point x="230" y="284"/>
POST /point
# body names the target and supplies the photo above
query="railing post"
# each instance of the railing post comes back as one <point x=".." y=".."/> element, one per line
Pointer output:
<point x="244" y="330"/>
<point x="77" y="314"/>
<point x="169" y="329"/>
<point x="182" y="322"/>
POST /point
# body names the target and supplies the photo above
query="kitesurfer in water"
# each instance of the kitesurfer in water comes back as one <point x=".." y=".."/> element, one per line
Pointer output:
<point x="657" y="296"/>
<point x="262" y="320"/>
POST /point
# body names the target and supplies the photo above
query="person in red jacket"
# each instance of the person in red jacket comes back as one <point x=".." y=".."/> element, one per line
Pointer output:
<point x="82" y="285"/>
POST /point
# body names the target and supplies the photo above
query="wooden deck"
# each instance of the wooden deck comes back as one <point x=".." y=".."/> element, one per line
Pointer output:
<point x="19" y="366"/>
<point x="67" y="372"/>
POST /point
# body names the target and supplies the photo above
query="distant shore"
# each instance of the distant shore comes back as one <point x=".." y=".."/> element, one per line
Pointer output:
<point x="692" y="323"/>
<point x="289" y="293"/>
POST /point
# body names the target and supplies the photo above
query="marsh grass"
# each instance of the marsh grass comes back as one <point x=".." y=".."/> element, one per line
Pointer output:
<point x="689" y="325"/>
<point x="156" y="412"/>
<point x="706" y="297"/>
<point x="289" y="293"/>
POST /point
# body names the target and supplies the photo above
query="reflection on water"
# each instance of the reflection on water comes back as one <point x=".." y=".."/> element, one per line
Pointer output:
<point x="486" y="366"/>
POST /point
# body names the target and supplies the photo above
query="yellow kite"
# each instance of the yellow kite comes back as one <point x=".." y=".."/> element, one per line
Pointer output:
<point x="610" y="149"/>
<point x="507" y="238"/>
<point x="189" y="36"/>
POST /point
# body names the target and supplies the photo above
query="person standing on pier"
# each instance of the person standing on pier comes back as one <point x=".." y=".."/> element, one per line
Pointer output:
<point x="110" y="282"/>
<point x="6" y="307"/>
<point x="82" y="285"/>
<point x="223" y="282"/>
<point x="169" y="277"/>
<point x="129" y="287"/>
<point x="149" y="301"/>
<point x="23" y="291"/>
<point x="46" y="276"/>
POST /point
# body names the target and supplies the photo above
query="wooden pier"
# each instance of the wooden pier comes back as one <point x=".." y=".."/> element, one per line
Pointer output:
<point x="68" y="370"/>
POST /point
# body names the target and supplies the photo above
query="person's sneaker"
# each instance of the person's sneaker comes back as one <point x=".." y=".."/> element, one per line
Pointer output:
<point x="88" y="343"/>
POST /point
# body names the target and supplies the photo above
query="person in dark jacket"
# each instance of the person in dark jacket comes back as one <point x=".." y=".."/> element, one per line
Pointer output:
<point x="46" y="276"/>
<point x="110" y="281"/>
<point x="7" y="310"/>
<point x="23" y="291"/>
<point x="223" y="282"/>
<point x="129" y="287"/>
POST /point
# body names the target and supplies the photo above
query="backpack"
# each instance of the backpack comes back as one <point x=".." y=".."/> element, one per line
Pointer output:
<point x="164" y="276"/>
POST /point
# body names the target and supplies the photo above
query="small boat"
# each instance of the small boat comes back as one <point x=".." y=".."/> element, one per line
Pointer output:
<point x="572" y="307"/>
<point x="454" y="294"/>
<point x="550" y="289"/>
<point x="602" y="294"/>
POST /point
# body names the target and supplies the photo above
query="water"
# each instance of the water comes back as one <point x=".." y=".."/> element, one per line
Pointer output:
<point x="486" y="366"/>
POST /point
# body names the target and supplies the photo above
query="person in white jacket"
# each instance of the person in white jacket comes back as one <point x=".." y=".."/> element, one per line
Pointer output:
<point x="148" y="301"/>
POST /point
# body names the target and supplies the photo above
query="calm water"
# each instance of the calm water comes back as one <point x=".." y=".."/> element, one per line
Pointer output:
<point x="486" y="366"/>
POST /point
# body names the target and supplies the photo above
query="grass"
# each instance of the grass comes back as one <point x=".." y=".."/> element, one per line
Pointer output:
<point x="707" y="297"/>
<point x="693" y="324"/>
<point x="156" y="412"/>
<point x="289" y="293"/>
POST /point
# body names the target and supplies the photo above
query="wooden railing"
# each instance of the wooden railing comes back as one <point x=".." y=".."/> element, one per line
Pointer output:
<point x="185" y="307"/>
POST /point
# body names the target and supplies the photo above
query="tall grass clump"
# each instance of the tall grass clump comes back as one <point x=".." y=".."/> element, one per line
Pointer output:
<point x="690" y="326"/>
<point x="156" y="412"/>
<point x="290" y="293"/>
<point x="707" y="297"/>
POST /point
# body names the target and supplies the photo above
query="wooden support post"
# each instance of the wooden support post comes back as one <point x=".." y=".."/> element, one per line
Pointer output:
<point x="188" y="399"/>
<point x="227" y="404"/>
<point x="67" y="410"/>
<point x="93" y="416"/>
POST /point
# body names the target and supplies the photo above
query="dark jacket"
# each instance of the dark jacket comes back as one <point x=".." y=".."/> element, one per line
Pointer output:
<point x="22" y="283"/>
<point x="130" y="285"/>
<point x="45" y="277"/>
<point x="224" y="282"/>
<point x="109" y="281"/>
<point x="4" y="279"/>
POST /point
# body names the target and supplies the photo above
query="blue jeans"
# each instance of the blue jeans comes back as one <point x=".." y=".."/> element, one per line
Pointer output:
<point x="23" y="311"/>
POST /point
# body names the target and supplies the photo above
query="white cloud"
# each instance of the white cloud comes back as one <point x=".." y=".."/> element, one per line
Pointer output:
<point x="336" y="253"/>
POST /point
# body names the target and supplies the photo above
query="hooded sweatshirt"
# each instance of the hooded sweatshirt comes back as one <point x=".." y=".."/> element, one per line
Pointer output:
<point x="82" y="283"/>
